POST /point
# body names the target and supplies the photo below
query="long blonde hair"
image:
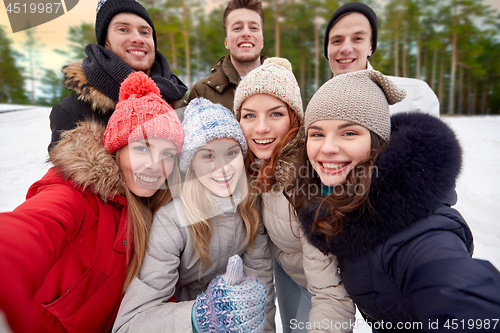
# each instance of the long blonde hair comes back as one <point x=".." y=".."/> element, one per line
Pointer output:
<point x="199" y="207"/>
<point x="140" y="218"/>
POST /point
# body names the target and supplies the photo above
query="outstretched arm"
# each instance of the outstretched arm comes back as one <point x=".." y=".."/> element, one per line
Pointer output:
<point x="445" y="285"/>
<point x="32" y="238"/>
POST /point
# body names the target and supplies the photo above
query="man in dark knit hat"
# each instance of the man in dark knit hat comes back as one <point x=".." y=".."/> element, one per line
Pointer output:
<point x="243" y="26"/>
<point x="351" y="38"/>
<point x="126" y="42"/>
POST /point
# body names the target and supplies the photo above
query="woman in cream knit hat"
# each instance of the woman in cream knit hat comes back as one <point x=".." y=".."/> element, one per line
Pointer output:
<point x="383" y="190"/>
<point x="268" y="106"/>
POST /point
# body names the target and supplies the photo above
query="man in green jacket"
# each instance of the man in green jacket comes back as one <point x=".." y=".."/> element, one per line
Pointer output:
<point x="243" y="23"/>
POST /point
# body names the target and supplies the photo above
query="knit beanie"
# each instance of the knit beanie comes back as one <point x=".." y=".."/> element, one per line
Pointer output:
<point x="107" y="9"/>
<point x="357" y="7"/>
<point x="203" y="122"/>
<point x="274" y="77"/>
<point x="141" y="113"/>
<point x="362" y="97"/>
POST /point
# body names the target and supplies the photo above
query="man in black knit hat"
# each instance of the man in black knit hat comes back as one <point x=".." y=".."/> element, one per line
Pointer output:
<point x="351" y="38"/>
<point x="126" y="42"/>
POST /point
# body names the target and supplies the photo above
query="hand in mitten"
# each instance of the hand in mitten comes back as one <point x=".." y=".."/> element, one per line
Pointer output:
<point x="232" y="303"/>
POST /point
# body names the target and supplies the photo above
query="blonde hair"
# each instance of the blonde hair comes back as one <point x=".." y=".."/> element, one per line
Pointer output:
<point x="140" y="218"/>
<point x="199" y="208"/>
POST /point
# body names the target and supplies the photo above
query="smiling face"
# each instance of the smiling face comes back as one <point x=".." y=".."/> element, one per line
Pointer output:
<point x="146" y="166"/>
<point x="334" y="147"/>
<point x="244" y="37"/>
<point x="265" y="121"/>
<point x="350" y="44"/>
<point x="131" y="38"/>
<point x="218" y="165"/>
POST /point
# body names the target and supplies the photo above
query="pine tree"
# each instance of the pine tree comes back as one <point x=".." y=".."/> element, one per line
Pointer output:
<point x="11" y="79"/>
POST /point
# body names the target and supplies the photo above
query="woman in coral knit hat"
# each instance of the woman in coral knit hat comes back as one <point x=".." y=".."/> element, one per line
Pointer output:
<point x="71" y="249"/>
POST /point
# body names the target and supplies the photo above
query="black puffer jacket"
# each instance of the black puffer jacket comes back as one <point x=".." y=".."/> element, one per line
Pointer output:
<point x="407" y="262"/>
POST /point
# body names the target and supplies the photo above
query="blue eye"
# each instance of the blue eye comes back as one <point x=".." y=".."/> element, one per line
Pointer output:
<point x="248" y="116"/>
<point x="233" y="153"/>
<point x="350" y="133"/>
<point x="277" y="114"/>
<point x="141" y="148"/>
<point x="316" y="135"/>
<point x="168" y="155"/>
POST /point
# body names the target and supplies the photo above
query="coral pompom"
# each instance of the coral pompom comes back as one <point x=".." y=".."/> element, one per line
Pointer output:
<point x="279" y="61"/>
<point x="138" y="84"/>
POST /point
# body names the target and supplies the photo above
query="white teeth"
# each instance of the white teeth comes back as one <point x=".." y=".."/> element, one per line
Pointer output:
<point x="137" y="52"/>
<point x="246" y="45"/>
<point x="346" y="61"/>
<point x="265" y="141"/>
<point x="147" y="179"/>
<point x="333" y="165"/>
<point x="222" y="179"/>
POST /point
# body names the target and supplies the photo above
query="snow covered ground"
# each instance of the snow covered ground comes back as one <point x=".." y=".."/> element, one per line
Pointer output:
<point x="25" y="134"/>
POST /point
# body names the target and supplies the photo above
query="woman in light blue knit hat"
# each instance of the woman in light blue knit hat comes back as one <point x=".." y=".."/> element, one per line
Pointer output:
<point x="194" y="236"/>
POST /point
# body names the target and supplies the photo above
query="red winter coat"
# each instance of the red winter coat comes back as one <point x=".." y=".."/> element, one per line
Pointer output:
<point x="63" y="252"/>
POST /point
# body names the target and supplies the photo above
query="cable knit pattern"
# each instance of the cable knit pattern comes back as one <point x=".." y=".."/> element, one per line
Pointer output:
<point x="232" y="303"/>
<point x="362" y="97"/>
<point x="205" y="121"/>
<point x="141" y="113"/>
<point x="275" y="78"/>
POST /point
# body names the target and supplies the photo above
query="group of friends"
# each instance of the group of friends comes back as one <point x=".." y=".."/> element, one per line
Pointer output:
<point x="165" y="215"/>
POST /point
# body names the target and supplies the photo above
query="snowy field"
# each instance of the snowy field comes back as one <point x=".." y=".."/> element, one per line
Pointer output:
<point x="25" y="133"/>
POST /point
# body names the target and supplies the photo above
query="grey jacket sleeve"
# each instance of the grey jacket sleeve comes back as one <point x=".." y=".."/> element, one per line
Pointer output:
<point x="332" y="307"/>
<point x="258" y="262"/>
<point x="145" y="306"/>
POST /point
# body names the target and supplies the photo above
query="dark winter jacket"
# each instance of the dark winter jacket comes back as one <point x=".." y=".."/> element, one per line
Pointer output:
<point x="220" y="85"/>
<point x="408" y="259"/>
<point x="88" y="102"/>
<point x="65" y="251"/>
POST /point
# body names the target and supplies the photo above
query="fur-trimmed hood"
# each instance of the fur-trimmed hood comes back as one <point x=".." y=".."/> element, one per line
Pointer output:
<point x="285" y="167"/>
<point x="413" y="177"/>
<point x="81" y="158"/>
<point x="77" y="81"/>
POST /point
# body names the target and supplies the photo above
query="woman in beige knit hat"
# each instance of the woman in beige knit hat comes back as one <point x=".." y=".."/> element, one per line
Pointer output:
<point x="310" y="294"/>
<point x="377" y="192"/>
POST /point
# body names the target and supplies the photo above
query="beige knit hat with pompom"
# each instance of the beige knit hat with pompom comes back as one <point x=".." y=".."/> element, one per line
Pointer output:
<point x="274" y="77"/>
<point x="362" y="97"/>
